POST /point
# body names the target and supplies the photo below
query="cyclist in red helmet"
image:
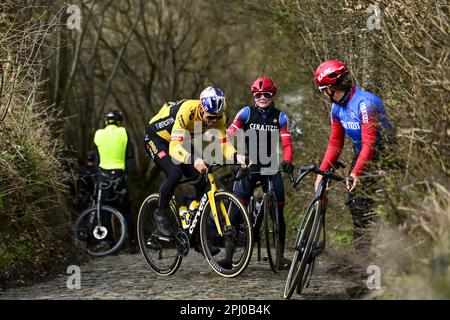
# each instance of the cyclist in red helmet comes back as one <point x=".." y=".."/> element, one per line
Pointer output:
<point x="360" y="115"/>
<point x="265" y="121"/>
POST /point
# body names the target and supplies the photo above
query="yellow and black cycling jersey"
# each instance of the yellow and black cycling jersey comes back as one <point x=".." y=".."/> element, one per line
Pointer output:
<point x="177" y="119"/>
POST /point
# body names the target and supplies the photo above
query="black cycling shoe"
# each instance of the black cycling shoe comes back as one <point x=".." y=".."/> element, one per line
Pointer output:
<point x="162" y="222"/>
<point x="214" y="250"/>
<point x="285" y="264"/>
<point x="225" y="263"/>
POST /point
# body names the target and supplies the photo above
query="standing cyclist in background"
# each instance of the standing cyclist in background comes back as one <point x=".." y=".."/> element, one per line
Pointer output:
<point x="164" y="139"/>
<point x="115" y="158"/>
<point x="361" y="115"/>
<point x="264" y="118"/>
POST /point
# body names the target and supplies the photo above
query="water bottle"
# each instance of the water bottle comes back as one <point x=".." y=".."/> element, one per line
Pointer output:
<point x="184" y="214"/>
<point x="194" y="206"/>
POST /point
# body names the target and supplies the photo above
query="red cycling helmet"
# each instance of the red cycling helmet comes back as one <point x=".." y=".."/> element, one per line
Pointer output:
<point x="263" y="84"/>
<point x="330" y="73"/>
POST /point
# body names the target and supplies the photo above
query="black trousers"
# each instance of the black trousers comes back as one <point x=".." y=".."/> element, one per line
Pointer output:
<point x="117" y="196"/>
<point x="362" y="202"/>
<point x="158" y="149"/>
<point x="244" y="194"/>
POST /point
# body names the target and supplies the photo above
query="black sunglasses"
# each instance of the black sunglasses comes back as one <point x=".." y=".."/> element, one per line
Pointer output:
<point x="266" y="95"/>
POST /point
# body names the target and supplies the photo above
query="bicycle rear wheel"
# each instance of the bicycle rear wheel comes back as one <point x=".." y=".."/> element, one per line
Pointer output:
<point x="239" y="239"/>
<point x="271" y="232"/>
<point x="302" y="250"/>
<point x="161" y="255"/>
<point x="100" y="238"/>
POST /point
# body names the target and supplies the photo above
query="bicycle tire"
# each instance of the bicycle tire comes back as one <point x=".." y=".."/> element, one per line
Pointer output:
<point x="302" y="249"/>
<point x="163" y="260"/>
<point x="242" y="236"/>
<point x="310" y="259"/>
<point x="271" y="232"/>
<point x="85" y="233"/>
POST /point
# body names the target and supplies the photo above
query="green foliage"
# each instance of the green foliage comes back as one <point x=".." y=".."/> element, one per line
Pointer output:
<point x="34" y="224"/>
<point x="405" y="63"/>
<point x="6" y="259"/>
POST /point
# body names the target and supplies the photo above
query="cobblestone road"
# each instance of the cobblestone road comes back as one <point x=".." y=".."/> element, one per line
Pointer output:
<point x="126" y="276"/>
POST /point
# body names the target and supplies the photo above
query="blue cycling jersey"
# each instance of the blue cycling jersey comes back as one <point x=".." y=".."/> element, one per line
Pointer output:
<point x="362" y="107"/>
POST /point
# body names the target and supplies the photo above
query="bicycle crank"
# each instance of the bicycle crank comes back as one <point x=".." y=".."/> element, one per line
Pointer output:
<point x="182" y="243"/>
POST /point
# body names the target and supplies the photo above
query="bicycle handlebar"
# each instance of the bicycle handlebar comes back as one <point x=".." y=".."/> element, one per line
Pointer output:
<point x="211" y="169"/>
<point x="246" y="172"/>
<point x="305" y="170"/>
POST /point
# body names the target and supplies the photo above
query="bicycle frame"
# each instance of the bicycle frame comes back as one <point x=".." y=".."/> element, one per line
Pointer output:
<point x="99" y="187"/>
<point x="209" y="195"/>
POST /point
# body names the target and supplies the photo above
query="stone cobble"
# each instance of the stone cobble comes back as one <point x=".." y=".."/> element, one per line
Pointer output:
<point x="126" y="276"/>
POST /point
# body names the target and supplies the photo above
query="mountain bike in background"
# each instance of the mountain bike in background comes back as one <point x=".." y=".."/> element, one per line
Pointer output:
<point x="101" y="229"/>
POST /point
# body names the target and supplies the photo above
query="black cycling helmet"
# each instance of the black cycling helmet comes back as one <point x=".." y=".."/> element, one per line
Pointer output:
<point x="113" y="117"/>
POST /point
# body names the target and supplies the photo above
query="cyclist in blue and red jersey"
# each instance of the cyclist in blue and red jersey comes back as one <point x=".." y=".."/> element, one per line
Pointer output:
<point x="269" y="125"/>
<point x="360" y="115"/>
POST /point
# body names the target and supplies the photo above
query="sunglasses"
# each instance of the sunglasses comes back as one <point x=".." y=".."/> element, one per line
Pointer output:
<point x="210" y="118"/>
<point x="322" y="88"/>
<point x="266" y="95"/>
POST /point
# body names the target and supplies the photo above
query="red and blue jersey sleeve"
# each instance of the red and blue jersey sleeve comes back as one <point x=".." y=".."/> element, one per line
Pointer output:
<point x="335" y="144"/>
<point x="286" y="140"/>
<point x="369" y="132"/>
<point x="239" y="121"/>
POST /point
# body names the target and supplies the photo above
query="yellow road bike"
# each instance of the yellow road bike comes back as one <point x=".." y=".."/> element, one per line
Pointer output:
<point x="222" y="221"/>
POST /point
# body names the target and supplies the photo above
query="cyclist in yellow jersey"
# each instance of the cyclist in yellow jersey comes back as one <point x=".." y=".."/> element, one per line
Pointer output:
<point x="164" y="138"/>
<point x="114" y="155"/>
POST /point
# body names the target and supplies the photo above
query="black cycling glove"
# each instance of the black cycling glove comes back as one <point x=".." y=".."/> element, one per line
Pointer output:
<point x="287" y="167"/>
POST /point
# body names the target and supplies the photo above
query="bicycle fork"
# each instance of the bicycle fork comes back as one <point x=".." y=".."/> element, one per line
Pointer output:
<point x="213" y="204"/>
<point x="100" y="231"/>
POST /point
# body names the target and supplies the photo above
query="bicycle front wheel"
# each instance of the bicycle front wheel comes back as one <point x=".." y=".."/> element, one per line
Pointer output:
<point x="100" y="238"/>
<point x="302" y="250"/>
<point x="271" y="232"/>
<point x="161" y="256"/>
<point x="235" y="244"/>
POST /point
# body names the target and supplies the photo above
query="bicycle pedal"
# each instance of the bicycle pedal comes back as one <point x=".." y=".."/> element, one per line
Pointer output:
<point x="152" y="245"/>
<point x="163" y="238"/>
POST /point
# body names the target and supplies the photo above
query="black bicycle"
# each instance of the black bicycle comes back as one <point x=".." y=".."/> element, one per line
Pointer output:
<point x="221" y="219"/>
<point x="308" y="244"/>
<point x="101" y="229"/>
<point x="265" y="209"/>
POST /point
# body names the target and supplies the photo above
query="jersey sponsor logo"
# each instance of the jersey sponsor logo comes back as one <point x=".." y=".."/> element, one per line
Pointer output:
<point x="153" y="147"/>
<point x="181" y="121"/>
<point x="177" y="132"/>
<point x="161" y="154"/>
<point x="176" y="138"/>
<point x="191" y="115"/>
<point x="165" y="123"/>
<point x="365" y="116"/>
<point x="263" y="127"/>
<point x="351" y="125"/>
